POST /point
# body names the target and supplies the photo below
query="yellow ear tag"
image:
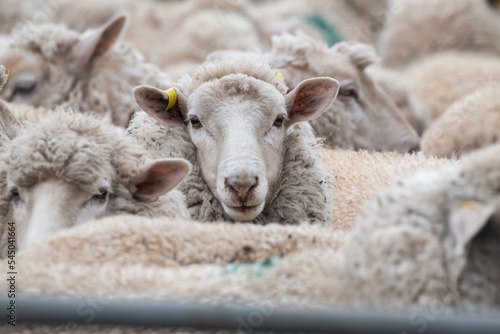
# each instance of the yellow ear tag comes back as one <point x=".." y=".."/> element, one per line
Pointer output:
<point x="279" y="74"/>
<point x="172" y="98"/>
<point x="470" y="205"/>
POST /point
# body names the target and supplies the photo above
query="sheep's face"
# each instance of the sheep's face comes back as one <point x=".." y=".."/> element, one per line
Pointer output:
<point x="239" y="126"/>
<point x="70" y="168"/>
<point x="54" y="204"/>
<point x="239" y="133"/>
<point x="374" y="119"/>
<point x="365" y="116"/>
<point x="47" y="63"/>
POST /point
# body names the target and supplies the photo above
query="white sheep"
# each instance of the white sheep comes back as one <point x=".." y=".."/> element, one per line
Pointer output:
<point x="469" y="124"/>
<point x="415" y="29"/>
<point x="363" y="116"/>
<point x="69" y="168"/>
<point x="432" y="239"/>
<point x="94" y="72"/>
<point x="234" y="121"/>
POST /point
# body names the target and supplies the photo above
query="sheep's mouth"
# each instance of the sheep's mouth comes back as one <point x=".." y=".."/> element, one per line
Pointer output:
<point x="243" y="212"/>
<point x="245" y="208"/>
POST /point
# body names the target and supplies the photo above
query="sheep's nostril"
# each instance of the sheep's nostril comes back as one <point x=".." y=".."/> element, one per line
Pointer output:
<point x="241" y="187"/>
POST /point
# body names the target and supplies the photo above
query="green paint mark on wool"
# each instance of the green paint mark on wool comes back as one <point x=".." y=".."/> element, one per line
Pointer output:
<point x="320" y="23"/>
<point x="254" y="269"/>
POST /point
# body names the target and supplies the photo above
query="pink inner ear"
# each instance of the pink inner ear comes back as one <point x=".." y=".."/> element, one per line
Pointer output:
<point x="306" y="99"/>
<point x="153" y="183"/>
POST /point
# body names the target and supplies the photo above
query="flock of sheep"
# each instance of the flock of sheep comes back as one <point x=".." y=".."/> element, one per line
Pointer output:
<point x="337" y="152"/>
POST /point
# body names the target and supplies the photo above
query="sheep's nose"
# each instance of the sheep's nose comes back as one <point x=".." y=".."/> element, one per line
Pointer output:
<point x="242" y="188"/>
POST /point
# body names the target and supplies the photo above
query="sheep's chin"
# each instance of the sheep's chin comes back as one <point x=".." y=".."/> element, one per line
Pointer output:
<point x="245" y="213"/>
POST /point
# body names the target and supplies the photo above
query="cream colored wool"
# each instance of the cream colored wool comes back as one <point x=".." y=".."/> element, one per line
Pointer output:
<point x="362" y="117"/>
<point x="55" y="56"/>
<point x="166" y="242"/>
<point x="420" y="28"/>
<point x="440" y="80"/>
<point x="357" y="176"/>
<point x="302" y="192"/>
<point x="409" y="250"/>
<point x="469" y="124"/>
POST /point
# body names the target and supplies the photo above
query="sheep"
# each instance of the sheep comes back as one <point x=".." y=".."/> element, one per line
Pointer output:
<point x="234" y="122"/>
<point x="362" y="117"/>
<point x="440" y="80"/>
<point x="432" y="239"/>
<point x="469" y="124"/>
<point x="416" y="29"/>
<point x="50" y="64"/>
<point x="69" y="168"/>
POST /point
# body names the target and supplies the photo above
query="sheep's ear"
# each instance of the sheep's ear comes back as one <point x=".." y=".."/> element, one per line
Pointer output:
<point x="159" y="177"/>
<point x="160" y="104"/>
<point x="467" y="220"/>
<point x="96" y="42"/>
<point x="310" y="99"/>
<point x="9" y="125"/>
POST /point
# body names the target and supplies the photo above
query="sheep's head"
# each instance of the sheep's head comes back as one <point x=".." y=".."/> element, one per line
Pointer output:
<point x="70" y="168"/>
<point x="368" y="118"/>
<point x="238" y="123"/>
<point x="45" y="62"/>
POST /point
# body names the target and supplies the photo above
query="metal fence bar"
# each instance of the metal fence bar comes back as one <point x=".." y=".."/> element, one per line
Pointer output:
<point x="243" y="319"/>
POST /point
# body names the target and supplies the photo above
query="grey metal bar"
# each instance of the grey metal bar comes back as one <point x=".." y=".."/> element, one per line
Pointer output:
<point x="241" y="318"/>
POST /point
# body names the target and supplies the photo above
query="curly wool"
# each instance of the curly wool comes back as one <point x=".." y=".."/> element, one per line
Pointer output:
<point x="106" y="87"/>
<point x="77" y="149"/>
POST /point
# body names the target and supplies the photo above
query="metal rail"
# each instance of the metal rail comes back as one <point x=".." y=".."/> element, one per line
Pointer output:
<point x="241" y="318"/>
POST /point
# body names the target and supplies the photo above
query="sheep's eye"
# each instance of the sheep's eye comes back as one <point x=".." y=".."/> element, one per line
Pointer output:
<point x="101" y="197"/>
<point x="348" y="91"/>
<point x="15" y="197"/>
<point x="278" y="122"/>
<point x="195" y="122"/>
<point x="24" y="88"/>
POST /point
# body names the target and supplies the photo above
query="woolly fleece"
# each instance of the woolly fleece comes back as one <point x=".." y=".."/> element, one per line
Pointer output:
<point x="357" y="176"/>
